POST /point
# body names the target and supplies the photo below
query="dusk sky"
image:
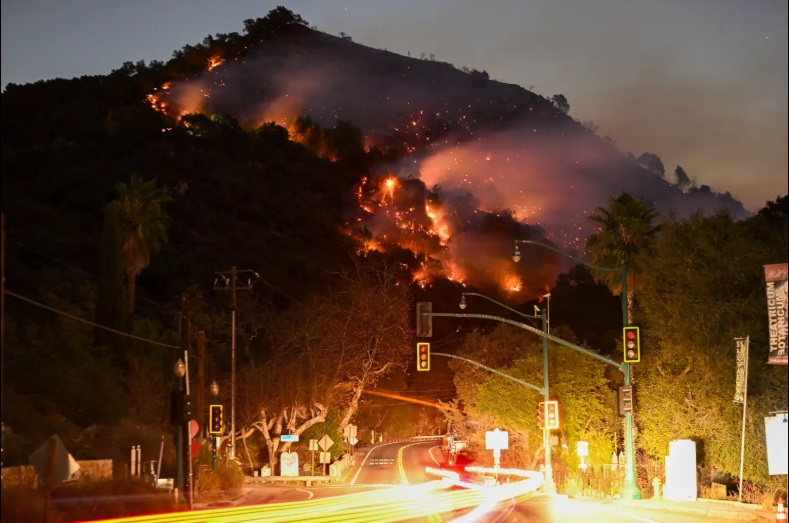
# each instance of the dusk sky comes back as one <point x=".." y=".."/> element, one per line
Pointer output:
<point x="701" y="83"/>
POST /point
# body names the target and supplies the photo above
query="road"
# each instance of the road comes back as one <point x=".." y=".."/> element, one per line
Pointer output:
<point x="387" y="486"/>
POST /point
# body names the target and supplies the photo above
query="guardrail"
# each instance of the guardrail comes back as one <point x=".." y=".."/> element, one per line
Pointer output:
<point x="308" y="480"/>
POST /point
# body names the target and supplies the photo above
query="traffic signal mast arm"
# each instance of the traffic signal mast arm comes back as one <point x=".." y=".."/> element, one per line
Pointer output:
<point x="494" y="371"/>
<point x="591" y="354"/>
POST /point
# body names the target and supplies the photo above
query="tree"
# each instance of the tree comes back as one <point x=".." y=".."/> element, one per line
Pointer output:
<point x="625" y="229"/>
<point x="683" y="180"/>
<point x="702" y="286"/>
<point x="143" y="226"/>
<point x="111" y="299"/>
<point x="587" y="404"/>
<point x="561" y="103"/>
<point x="327" y="351"/>
<point x="652" y="163"/>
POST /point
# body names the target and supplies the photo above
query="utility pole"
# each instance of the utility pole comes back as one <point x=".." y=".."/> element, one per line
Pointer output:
<point x="229" y="280"/>
<point x="2" y="334"/>
<point x="200" y="404"/>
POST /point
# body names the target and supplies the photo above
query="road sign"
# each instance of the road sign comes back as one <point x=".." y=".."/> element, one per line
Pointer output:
<point x="354" y="440"/>
<point x="289" y="437"/>
<point x="325" y="443"/>
<point x="325" y="458"/>
<point x="497" y="439"/>
<point x="313" y="444"/>
<point x="194" y="428"/>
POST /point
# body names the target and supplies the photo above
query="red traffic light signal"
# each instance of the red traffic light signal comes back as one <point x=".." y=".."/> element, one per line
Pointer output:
<point x="552" y="414"/>
<point x="631" y="344"/>
<point x="423" y="356"/>
<point x="216" y="419"/>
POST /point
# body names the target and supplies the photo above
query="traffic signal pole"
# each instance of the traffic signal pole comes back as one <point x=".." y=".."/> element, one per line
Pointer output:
<point x="550" y="484"/>
<point x="630" y="490"/>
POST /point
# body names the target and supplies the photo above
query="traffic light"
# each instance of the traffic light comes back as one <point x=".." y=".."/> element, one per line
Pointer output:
<point x="552" y="414"/>
<point x="632" y="344"/>
<point x="187" y="407"/>
<point x="541" y="414"/>
<point x="625" y="399"/>
<point x="424" y="321"/>
<point x="216" y="419"/>
<point x="423" y="356"/>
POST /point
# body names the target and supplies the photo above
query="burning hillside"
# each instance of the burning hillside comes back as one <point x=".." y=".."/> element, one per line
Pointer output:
<point x="487" y="150"/>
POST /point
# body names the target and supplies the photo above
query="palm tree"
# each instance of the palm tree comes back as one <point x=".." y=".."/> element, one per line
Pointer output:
<point x="143" y="226"/>
<point x="625" y="230"/>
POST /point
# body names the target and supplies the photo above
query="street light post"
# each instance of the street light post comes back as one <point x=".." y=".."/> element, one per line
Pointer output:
<point x="550" y="484"/>
<point x="214" y="437"/>
<point x="631" y="490"/>
<point x="180" y="371"/>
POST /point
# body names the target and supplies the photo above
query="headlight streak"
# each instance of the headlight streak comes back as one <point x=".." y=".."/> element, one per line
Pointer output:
<point x="377" y="506"/>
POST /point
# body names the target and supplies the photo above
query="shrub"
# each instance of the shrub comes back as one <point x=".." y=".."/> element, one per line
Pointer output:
<point x="23" y="505"/>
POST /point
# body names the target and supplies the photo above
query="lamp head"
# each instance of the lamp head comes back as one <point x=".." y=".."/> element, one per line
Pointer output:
<point x="516" y="254"/>
<point x="462" y="303"/>
<point x="546" y="295"/>
<point x="179" y="368"/>
<point x="215" y="388"/>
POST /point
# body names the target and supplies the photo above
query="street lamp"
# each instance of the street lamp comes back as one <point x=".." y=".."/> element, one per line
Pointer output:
<point x="631" y="490"/>
<point x="214" y="437"/>
<point x="550" y="485"/>
<point x="179" y="369"/>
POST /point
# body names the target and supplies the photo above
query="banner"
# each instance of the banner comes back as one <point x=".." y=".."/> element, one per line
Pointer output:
<point x="775" y="277"/>
<point x="742" y="358"/>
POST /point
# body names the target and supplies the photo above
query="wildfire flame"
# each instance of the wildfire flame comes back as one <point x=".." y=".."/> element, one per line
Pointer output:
<point x="214" y="61"/>
<point x="391" y="212"/>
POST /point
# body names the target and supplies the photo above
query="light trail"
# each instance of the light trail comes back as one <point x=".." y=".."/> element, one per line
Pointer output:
<point x="391" y="505"/>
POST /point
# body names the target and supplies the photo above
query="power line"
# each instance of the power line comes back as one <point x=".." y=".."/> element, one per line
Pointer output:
<point x="83" y="320"/>
<point x="80" y="270"/>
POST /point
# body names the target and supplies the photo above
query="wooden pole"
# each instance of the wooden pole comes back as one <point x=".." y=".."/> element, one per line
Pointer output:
<point x="202" y="413"/>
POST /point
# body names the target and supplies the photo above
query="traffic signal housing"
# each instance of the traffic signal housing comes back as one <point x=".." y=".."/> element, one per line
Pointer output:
<point x="187" y="408"/>
<point x="423" y="356"/>
<point x="216" y="419"/>
<point x="631" y="341"/>
<point x="625" y="399"/>
<point x="541" y="414"/>
<point x="424" y="319"/>
<point x="552" y="414"/>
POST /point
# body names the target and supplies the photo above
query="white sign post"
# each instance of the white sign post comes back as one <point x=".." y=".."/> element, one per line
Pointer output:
<point x="313" y="448"/>
<point x="497" y="440"/>
<point x="582" y="450"/>
<point x="325" y="443"/>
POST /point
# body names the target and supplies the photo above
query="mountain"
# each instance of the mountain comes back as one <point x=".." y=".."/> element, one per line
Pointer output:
<point x="394" y="152"/>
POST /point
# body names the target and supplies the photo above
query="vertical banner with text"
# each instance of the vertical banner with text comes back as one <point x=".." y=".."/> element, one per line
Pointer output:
<point x="742" y="357"/>
<point x="775" y="277"/>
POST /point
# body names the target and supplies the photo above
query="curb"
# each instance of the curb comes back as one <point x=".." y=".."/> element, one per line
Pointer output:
<point x="702" y="508"/>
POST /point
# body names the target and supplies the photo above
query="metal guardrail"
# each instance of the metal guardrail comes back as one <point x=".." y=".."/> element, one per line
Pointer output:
<point x="308" y="480"/>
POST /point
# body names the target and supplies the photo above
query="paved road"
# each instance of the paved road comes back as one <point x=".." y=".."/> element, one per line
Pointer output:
<point x="391" y="468"/>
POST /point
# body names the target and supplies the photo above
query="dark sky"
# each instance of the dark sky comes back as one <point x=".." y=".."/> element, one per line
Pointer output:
<point x="700" y="83"/>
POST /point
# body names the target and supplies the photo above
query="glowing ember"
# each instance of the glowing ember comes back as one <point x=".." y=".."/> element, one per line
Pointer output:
<point x="214" y="61"/>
